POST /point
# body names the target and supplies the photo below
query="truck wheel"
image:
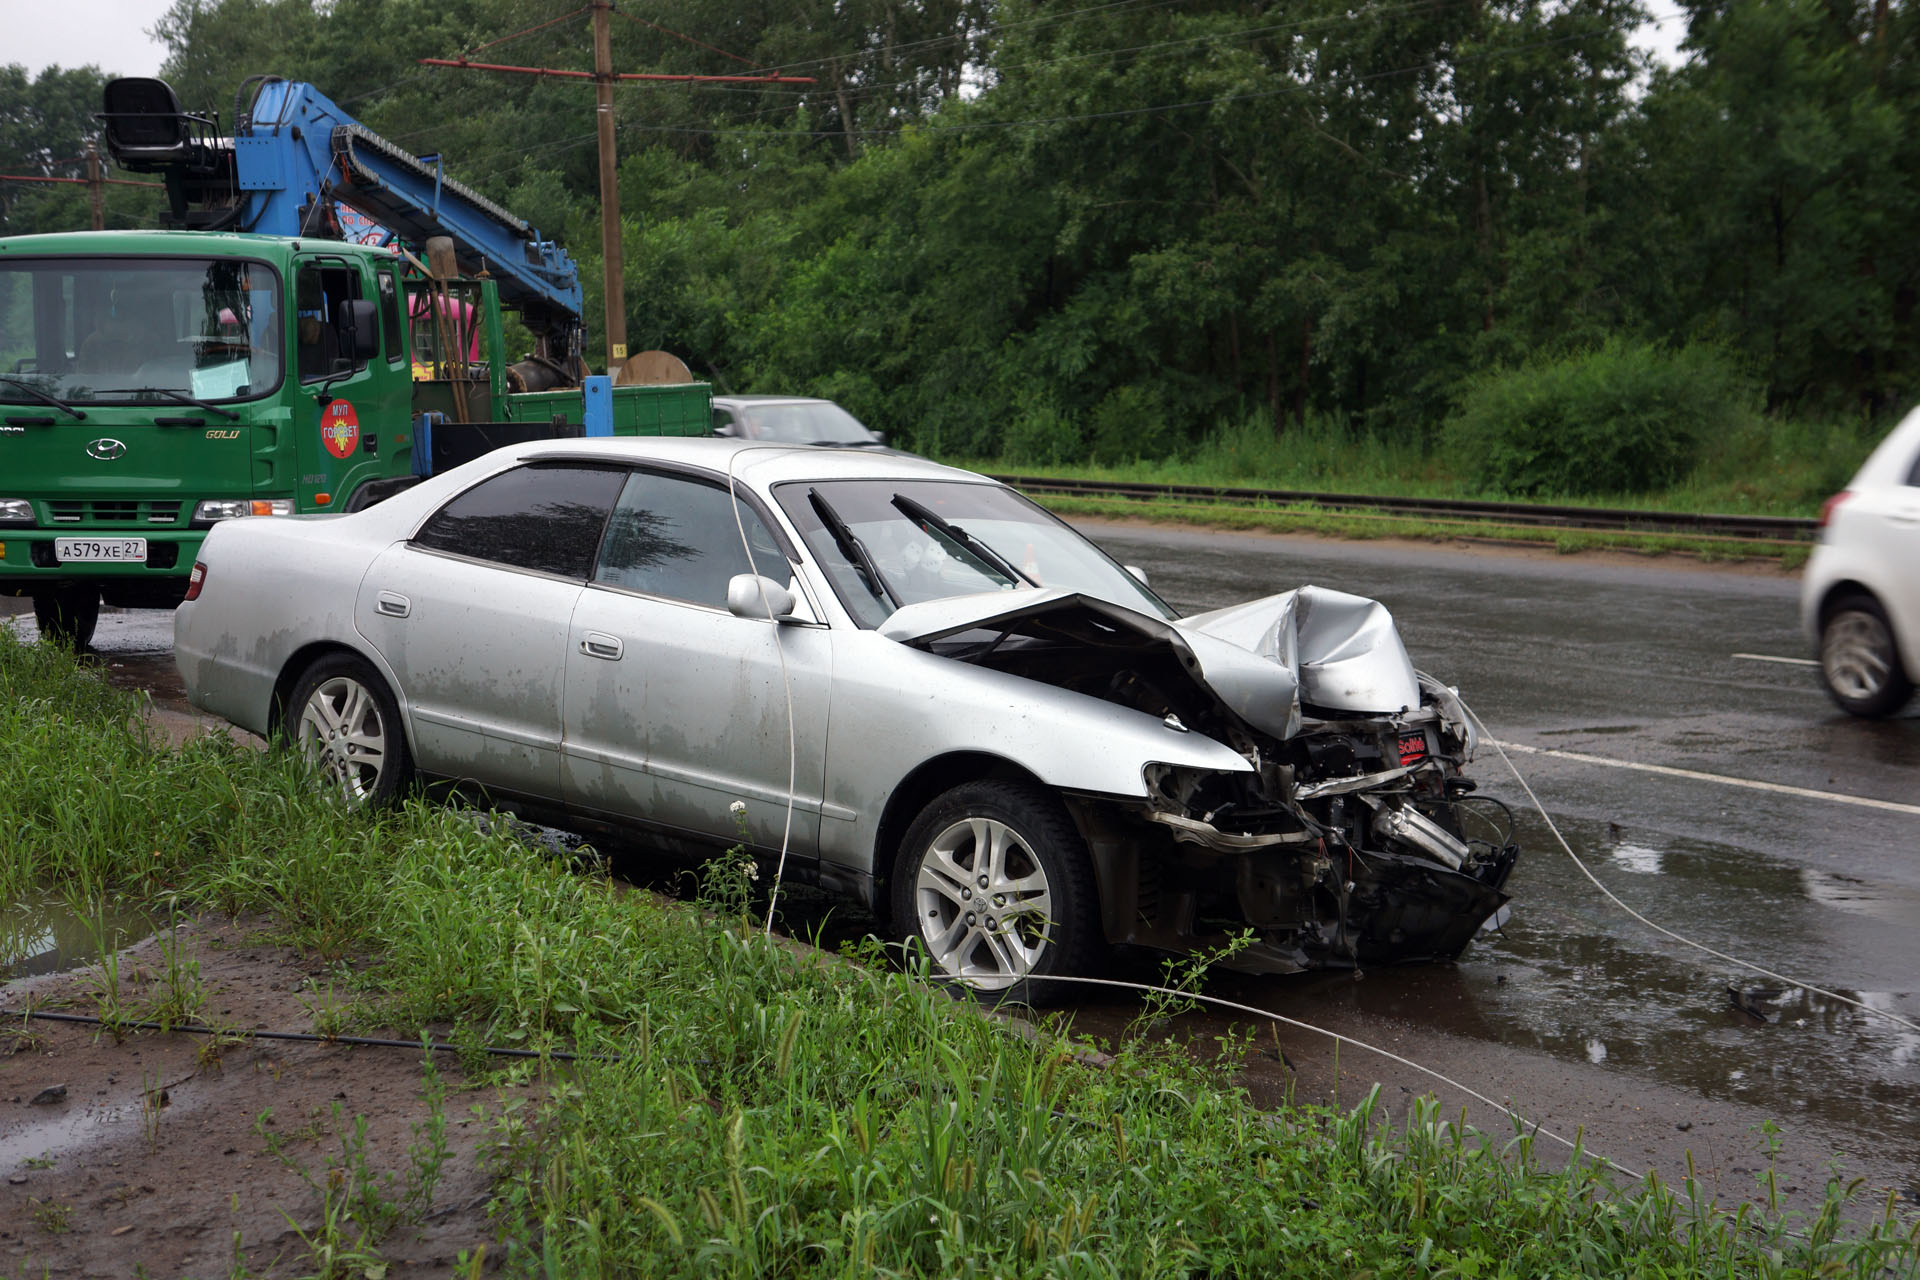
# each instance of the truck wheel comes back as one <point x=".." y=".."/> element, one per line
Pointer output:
<point x="994" y="885"/>
<point x="67" y="616"/>
<point x="344" y="721"/>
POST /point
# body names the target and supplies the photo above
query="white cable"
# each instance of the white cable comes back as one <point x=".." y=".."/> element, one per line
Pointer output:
<point x="1487" y="736"/>
<point x="1449" y="1081"/>
<point x="779" y="647"/>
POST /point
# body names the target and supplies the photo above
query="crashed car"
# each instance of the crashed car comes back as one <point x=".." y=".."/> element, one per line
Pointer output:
<point x="945" y="703"/>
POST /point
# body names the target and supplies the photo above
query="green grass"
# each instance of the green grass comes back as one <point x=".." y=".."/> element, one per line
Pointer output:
<point x="1765" y="466"/>
<point x="774" y="1113"/>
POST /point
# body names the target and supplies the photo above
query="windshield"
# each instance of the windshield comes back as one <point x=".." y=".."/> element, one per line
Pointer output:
<point x="888" y="543"/>
<point x="106" y="330"/>
<point x="803" y="422"/>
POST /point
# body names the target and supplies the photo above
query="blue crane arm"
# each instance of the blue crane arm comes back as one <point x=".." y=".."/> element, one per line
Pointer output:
<point x="294" y="156"/>
<point x="295" y="150"/>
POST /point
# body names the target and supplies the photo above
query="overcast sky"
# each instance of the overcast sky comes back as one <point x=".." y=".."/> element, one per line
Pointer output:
<point x="112" y="34"/>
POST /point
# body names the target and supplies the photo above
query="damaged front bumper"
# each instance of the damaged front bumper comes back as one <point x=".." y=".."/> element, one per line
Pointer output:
<point x="1330" y="860"/>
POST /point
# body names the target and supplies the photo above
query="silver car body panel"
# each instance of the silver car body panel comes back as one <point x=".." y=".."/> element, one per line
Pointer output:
<point x="1347" y="652"/>
<point x="1208" y="761"/>
<point x="1260" y="693"/>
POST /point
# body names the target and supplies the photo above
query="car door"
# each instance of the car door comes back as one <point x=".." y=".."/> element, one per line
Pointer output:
<point x="674" y="707"/>
<point x="1898" y="536"/>
<point x="473" y="613"/>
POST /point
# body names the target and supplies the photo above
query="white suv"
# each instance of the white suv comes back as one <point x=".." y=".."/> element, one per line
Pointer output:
<point x="1860" y="598"/>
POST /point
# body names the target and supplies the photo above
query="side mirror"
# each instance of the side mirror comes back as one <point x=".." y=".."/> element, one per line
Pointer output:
<point x="1138" y="573"/>
<point x="745" y="598"/>
<point x="726" y="429"/>
<point x="879" y="437"/>
<point x="359" y="333"/>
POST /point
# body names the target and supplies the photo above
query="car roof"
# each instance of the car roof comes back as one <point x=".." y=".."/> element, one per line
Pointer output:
<point x="767" y="399"/>
<point x="757" y="462"/>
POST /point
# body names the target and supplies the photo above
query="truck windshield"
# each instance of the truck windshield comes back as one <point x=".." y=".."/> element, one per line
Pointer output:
<point x="121" y="330"/>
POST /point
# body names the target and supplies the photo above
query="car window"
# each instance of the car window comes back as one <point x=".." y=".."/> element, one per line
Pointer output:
<point x="390" y="331"/>
<point x="543" y="517"/>
<point x="805" y="422"/>
<point x="900" y="542"/>
<point x="320" y="288"/>
<point x="676" y="536"/>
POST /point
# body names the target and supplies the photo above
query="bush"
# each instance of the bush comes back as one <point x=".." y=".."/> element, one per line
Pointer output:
<point x="1040" y="435"/>
<point x="1621" y="418"/>
<point x="1129" y="424"/>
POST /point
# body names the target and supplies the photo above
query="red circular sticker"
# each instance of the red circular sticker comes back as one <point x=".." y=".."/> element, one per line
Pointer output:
<point x="340" y="428"/>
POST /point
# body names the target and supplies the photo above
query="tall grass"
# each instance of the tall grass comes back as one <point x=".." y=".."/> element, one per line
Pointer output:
<point x="773" y="1113"/>
<point x="1752" y="464"/>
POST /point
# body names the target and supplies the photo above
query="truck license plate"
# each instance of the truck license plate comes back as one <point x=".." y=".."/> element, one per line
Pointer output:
<point x="65" y="549"/>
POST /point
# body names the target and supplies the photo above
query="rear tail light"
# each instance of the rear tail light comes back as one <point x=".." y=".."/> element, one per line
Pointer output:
<point x="1831" y="505"/>
<point x="197" y="579"/>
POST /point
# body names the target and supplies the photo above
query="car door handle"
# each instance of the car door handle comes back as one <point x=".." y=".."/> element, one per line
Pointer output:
<point x="391" y="605"/>
<point x="596" y="644"/>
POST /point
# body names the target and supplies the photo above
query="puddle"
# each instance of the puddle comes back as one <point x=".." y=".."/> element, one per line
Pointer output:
<point x="121" y="1114"/>
<point x="42" y="934"/>
<point x="1575" y="978"/>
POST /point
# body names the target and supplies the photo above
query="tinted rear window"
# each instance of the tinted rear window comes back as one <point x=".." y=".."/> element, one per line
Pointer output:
<point x="544" y="517"/>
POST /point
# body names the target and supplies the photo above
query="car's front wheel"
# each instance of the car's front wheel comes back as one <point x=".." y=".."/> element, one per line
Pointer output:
<point x="994" y="885"/>
<point x="1859" y="663"/>
<point x="343" y="719"/>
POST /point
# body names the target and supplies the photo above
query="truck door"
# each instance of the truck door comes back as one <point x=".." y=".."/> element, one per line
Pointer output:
<point x="335" y="345"/>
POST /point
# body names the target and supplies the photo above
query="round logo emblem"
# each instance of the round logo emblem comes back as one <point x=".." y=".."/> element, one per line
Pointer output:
<point x="106" y="449"/>
<point x="340" y="428"/>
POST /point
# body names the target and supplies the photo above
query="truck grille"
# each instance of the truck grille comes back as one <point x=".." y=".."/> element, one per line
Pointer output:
<point x="129" y="511"/>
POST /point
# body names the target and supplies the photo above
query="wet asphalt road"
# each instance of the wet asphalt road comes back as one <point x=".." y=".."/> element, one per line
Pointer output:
<point x="1580" y="1016"/>
<point x="1578" y="1013"/>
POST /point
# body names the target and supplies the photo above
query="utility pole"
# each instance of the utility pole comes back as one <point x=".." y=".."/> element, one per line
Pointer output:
<point x="610" y="252"/>
<point x="604" y="77"/>
<point x="96" y="189"/>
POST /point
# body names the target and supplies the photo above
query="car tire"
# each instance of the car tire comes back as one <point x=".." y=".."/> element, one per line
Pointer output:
<point x="947" y="887"/>
<point x="1859" y="662"/>
<point x="342" y="717"/>
<point x="67" y="616"/>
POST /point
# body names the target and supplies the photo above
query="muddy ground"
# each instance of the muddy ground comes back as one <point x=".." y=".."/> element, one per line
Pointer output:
<point x="150" y="1154"/>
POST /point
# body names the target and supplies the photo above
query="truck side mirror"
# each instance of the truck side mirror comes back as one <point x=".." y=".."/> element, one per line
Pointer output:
<point x="359" y="333"/>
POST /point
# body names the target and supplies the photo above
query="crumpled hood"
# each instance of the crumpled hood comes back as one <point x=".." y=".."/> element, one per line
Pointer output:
<point x="1344" y="648"/>
<point x="1259" y="691"/>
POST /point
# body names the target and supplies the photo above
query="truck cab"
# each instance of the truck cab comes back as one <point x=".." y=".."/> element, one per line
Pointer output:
<point x="155" y="383"/>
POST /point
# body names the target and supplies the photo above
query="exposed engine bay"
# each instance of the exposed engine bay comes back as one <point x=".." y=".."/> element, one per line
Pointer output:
<point x="1351" y="840"/>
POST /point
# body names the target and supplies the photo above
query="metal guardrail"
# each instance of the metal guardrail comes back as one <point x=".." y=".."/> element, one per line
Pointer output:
<point x="1778" y="530"/>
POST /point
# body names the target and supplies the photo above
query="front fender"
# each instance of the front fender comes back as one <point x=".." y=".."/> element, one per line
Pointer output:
<point x="896" y="707"/>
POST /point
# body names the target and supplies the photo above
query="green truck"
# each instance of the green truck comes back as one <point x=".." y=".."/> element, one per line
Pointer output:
<point x="153" y="383"/>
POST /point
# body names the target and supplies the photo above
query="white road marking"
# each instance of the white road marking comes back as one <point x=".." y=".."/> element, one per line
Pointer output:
<point x="1768" y="657"/>
<point x="1865" y="802"/>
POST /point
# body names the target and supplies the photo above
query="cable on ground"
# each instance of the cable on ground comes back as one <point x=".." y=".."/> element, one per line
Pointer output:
<point x="301" y="1037"/>
<point x="1661" y="929"/>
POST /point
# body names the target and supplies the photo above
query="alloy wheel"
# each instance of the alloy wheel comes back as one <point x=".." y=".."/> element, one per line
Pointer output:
<point x="343" y="732"/>
<point x="983" y="904"/>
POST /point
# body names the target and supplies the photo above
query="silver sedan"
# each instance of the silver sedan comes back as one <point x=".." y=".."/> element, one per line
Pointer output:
<point x="933" y="696"/>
